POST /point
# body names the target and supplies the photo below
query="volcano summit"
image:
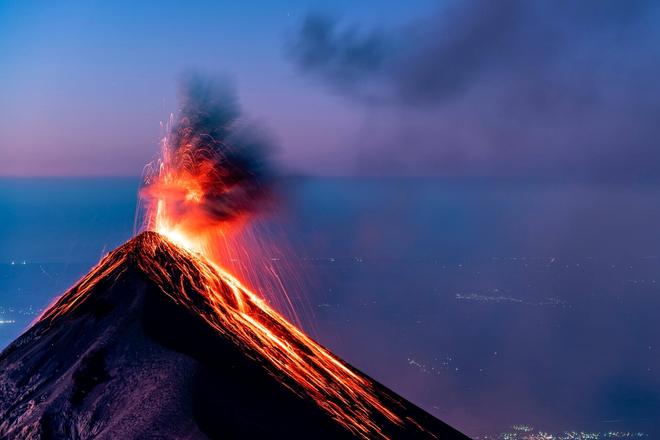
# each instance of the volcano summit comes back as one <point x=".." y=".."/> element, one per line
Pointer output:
<point x="156" y="342"/>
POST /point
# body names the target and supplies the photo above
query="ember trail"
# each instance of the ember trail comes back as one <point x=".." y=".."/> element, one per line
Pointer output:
<point x="213" y="174"/>
<point x="214" y="171"/>
<point x="212" y="177"/>
<point x="242" y="316"/>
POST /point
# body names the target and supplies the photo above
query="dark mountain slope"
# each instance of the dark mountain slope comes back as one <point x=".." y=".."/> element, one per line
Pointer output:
<point x="125" y="354"/>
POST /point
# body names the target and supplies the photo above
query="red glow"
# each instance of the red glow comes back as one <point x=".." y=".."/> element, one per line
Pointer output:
<point x="194" y="276"/>
<point x="174" y="195"/>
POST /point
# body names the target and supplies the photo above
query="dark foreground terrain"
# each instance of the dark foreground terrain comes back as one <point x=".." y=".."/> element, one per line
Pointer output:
<point x="127" y="360"/>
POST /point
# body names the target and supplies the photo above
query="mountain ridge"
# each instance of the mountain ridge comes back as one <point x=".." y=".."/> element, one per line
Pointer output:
<point x="126" y="354"/>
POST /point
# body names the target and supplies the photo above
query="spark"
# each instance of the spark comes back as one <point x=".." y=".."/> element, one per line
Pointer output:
<point x="198" y="246"/>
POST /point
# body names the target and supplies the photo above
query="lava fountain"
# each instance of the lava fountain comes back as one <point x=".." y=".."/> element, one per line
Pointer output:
<point x="214" y="171"/>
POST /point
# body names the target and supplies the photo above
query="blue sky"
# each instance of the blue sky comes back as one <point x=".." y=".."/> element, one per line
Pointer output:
<point x="86" y="84"/>
<point x="442" y="88"/>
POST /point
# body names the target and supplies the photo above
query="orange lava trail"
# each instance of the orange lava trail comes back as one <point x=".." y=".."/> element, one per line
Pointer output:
<point x="181" y="258"/>
<point x="178" y="195"/>
<point x="239" y="314"/>
<point x="243" y="316"/>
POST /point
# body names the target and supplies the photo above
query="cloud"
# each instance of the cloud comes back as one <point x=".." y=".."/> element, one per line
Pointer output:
<point x="345" y="58"/>
<point x="512" y="87"/>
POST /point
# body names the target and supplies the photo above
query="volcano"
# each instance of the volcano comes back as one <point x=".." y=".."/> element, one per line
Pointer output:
<point x="157" y="343"/>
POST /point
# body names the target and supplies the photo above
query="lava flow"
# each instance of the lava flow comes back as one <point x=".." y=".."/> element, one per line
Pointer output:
<point x="204" y="288"/>
<point x="204" y="187"/>
<point x="104" y="361"/>
<point x="244" y="317"/>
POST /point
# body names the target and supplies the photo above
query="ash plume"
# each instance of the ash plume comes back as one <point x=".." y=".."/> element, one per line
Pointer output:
<point x="216" y="167"/>
<point x="557" y="89"/>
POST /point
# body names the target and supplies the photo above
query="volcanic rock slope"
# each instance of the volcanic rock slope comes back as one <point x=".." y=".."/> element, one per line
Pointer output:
<point x="119" y="356"/>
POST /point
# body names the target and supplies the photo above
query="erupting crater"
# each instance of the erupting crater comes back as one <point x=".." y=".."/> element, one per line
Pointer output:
<point x="161" y="342"/>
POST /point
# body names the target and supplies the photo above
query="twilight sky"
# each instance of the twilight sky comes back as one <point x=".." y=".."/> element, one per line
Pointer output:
<point x="511" y="88"/>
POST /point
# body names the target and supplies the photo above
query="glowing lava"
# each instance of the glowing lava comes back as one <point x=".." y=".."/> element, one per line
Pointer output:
<point x="174" y="197"/>
<point x="225" y="304"/>
<point x="197" y="196"/>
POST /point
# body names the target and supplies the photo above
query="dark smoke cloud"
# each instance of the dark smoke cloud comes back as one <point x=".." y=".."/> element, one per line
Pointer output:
<point x="506" y="87"/>
<point x="219" y="159"/>
<point x="344" y="58"/>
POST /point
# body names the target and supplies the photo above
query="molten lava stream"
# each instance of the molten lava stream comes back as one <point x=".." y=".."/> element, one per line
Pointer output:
<point x="195" y="198"/>
<point x="211" y="177"/>
<point x="245" y="317"/>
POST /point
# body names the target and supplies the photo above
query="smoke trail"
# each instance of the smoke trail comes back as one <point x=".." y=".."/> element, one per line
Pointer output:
<point x="534" y="89"/>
